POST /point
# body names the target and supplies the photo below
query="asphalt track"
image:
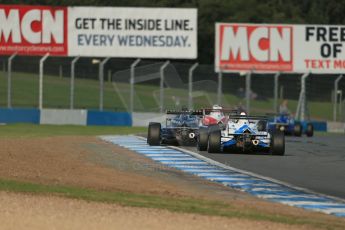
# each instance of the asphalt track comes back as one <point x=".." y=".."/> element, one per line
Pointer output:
<point x="316" y="163"/>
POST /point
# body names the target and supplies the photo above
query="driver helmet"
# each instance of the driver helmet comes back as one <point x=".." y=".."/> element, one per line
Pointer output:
<point x="217" y="113"/>
<point x="243" y="121"/>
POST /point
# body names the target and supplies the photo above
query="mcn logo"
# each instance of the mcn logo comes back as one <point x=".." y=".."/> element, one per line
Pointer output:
<point x="35" y="30"/>
<point x="249" y="47"/>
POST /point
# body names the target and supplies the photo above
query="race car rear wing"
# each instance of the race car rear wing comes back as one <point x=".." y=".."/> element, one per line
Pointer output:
<point x="227" y="111"/>
<point x="190" y="112"/>
<point x="257" y="118"/>
<point x="248" y="134"/>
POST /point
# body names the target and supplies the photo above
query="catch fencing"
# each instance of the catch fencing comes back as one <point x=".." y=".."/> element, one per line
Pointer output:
<point x="154" y="86"/>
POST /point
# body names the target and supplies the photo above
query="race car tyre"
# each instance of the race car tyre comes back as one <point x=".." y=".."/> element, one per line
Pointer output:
<point x="202" y="139"/>
<point x="262" y="125"/>
<point x="154" y="134"/>
<point x="310" y="130"/>
<point x="213" y="127"/>
<point x="278" y="143"/>
<point x="297" y="130"/>
<point x="213" y="145"/>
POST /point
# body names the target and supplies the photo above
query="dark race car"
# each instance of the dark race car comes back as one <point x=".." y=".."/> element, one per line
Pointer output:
<point x="288" y="125"/>
<point x="181" y="129"/>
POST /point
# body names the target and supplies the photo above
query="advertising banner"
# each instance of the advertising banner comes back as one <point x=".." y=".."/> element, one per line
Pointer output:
<point x="98" y="31"/>
<point x="284" y="48"/>
<point x="133" y="32"/>
<point x="33" y="30"/>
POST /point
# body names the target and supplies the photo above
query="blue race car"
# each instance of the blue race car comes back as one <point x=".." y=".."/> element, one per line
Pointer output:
<point x="288" y="125"/>
<point x="181" y="129"/>
<point x="242" y="134"/>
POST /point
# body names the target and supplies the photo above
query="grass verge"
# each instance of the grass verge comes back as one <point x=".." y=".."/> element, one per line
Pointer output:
<point x="185" y="205"/>
<point x="30" y="130"/>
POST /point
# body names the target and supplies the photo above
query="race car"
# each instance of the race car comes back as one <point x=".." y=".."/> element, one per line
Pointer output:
<point x="214" y="116"/>
<point x="242" y="134"/>
<point x="289" y="126"/>
<point x="181" y="129"/>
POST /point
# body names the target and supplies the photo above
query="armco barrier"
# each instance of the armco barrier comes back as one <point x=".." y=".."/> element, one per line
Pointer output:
<point x="63" y="116"/>
<point x="108" y="118"/>
<point x="19" y="116"/>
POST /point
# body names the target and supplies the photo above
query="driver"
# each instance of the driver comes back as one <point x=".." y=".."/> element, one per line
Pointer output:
<point x="217" y="112"/>
<point x="242" y="121"/>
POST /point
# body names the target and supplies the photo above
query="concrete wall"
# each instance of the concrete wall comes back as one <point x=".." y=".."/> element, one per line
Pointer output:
<point x="143" y="119"/>
<point x="19" y="116"/>
<point x="63" y="116"/>
<point x="335" y="127"/>
<point x="87" y="117"/>
<point x="108" y="118"/>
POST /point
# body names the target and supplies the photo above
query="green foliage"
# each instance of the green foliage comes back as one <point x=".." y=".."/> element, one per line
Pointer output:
<point x="30" y="130"/>
<point x="211" y="11"/>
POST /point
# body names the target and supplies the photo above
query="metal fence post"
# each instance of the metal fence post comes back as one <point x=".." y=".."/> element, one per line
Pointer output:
<point x="248" y="90"/>
<point x="161" y="92"/>
<point x="220" y="86"/>
<point x="335" y="102"/>
<point x="40" y="97"/>
<point x="301" y="106"/>
<point x="101" y="82"/>
<point x="72" y="81"/>
<point x="9" y="81"/>
<point x="190" y="85"/>
<point x="276" y="89"/>
<point x="132" y="82"/>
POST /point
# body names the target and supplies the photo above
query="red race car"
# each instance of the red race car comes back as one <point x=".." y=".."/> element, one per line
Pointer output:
<point x="216" y="115"/>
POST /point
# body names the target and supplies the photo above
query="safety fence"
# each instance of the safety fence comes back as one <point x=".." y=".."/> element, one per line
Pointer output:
<point x="129" y="85"/>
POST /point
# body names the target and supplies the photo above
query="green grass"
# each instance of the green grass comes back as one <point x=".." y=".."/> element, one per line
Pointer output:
<point x="185" y="205"/>
<point x="56" y="95"/>
<point x="30" y="130"/>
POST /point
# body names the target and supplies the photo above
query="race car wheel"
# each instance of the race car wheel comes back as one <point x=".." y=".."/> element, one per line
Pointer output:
<point x="213" y="127"/>
<point x="154" y="134"/>
<point x="297" y="130"/>
<point x="310" y="130"/>
<point x="262" y="125"/>
<point x="202" y="139"/>
<point x="278" y="143"/>
<point x="214" y="141"/>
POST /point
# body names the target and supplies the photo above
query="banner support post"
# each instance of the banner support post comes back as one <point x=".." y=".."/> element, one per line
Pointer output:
<point x="161" y="92"/>
<point x="276" y="88"/>
<point x="248" y="86"/>
<point x="40" y="97"/>
<point x="9" y="80"/>
<point x="132" y="82"/>
<point x="190" y="85"/>
<point x="219" y="91"/>
<point x="336" y="83"/>
<point x="72" y="81"/>
<point x="301" y="106"/>
<point x="101" y="82"/>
